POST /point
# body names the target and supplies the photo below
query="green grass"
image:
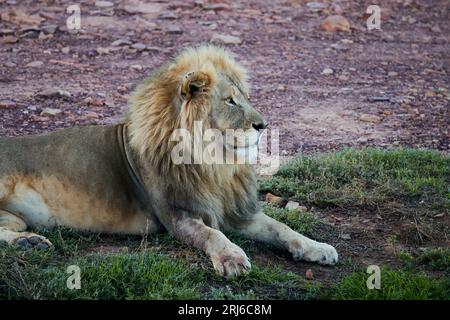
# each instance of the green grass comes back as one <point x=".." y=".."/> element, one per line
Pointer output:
<point x="38" y="274"/>
<point x="436" y="259"/>
<point x="414" y="183"/>
<point x="369" y="178"/>
<point x="395" y="285"/>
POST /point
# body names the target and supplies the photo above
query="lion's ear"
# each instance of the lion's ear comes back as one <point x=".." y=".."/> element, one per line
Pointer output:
<point x="195" y="83"/>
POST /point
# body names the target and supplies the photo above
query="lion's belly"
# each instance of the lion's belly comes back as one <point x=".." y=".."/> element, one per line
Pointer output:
<point x="50" y="202"/>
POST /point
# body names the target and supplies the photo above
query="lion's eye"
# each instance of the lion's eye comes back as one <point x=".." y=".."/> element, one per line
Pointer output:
<point x="230" y="101"/>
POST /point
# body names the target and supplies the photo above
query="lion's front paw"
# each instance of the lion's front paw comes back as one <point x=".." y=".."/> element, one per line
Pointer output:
<point x="319" y="252"/>
<point x="231" y="262"/>
<point x="28" y="240"/>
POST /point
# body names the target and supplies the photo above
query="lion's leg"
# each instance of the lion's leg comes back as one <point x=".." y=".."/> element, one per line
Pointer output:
<point x="268" y="230"/>
<point x="228" y="259"/>
<point x="12" y="230"/>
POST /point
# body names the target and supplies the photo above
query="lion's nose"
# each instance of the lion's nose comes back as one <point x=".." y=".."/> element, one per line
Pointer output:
<point x="259" y="126"/>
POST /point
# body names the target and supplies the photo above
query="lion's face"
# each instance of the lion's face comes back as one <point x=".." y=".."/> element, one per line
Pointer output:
<point x="228" y="111"/>
<point x="232" y="114"/>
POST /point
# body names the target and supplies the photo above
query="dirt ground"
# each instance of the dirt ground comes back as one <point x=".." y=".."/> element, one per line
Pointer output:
<point x="387" y="88"/>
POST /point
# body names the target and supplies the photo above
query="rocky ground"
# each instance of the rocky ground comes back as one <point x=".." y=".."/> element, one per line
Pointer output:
<point x="322" y="89"/>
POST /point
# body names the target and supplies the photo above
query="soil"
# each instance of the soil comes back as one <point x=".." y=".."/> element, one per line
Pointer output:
<point x="399" y="74"/>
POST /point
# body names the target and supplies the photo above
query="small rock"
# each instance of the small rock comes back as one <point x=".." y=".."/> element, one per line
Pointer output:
<point x="50" y="112"/>
<point x="174" y="29"/>
<point x="392" y="74"/>
<point x="139" y="46"/>
<point x="121" y="42"/>
<point x="91" y="115"/>
<point x="95" y="102"/>
<point x="49" y="29"/>
<point x="335" y="23"/>
<point x="327" y="71"/>
<point x="65" y="50"/>
<point x="54" y="93"/>
<point x="168" y="15"/>
<point x="309" y="274"/>
<point x="370" y="118"/>
<point x="7" y="104"/>
<point x="379" y="99"/>
<point x="137" y="67"/>
<point x="316" y="6"/>
<point x="345" y="236"/>
<point x="9" y="40"/>
<point x="35" y="64"/>
<point x="6" y="32"/>
<point x="271" y="198"/>
<point x="101" y="50"/>
<point x="292" y="205"/>
<point x="225" y="39"/>
<point x="145" y="8"/>
<point x="436" y="29"/>
<point x="104" y="4"/>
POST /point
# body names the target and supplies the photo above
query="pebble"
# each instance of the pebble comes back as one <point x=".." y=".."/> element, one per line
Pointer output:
<point x="292" y="205"/>
<point x="174" y="29"/>
<point x="104" y="4"/>
<point x="50" y="112"/>
<point x="225" y="39"/>
<point x="7" y="104"/>
<point x="271" y="198"/>
<point x="335" y="23"/>
<point x="370" y="118"/>
<point x="35" y="64"/>
<point x="327" y="71"/>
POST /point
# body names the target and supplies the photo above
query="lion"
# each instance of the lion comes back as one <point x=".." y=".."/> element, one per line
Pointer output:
<point x="121" y="178"/>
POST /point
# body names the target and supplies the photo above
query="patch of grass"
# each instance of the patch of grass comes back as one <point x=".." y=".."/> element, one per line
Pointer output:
<point x="147" y="275"/>
<point x="269" y="282"/>
<point x="144" y="274"/>
<point x="302" y="222"/>
<point x="395" y="285"/>
<point x="366" y="178"/>
<point x="437" y="259"/>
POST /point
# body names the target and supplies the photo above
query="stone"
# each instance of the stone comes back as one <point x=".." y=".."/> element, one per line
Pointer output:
<point x="54" y="93"/>
<point x="273" y="199"/>
<point x="35" y="64"/>
<point x="292" y="205"/>
<point x="49" y="29"/>
<point x="7" y="104"/>
<point x="309" y="274"/>
<point x="316" y="6"/>
<point x="144" y="8"/>
<point x="174" y="29"/>
<point x="104" y="4"/>
<point x="370" y="118"/>
<point x="327" y="71"/>
<point x="9" y="40"/>
<point x="335" y="23"/>
<point x="139" y="46"/>
<point x="121" y="42"/>
<point x="50" y="112"/>
<point x="65" y="50"/>
<point x="225" y="39"/>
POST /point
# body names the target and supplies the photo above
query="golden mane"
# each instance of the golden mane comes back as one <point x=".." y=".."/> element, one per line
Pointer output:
<point x="157" y="109"/>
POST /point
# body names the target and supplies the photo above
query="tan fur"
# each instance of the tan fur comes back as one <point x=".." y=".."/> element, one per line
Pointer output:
<point x="121" y="179"/>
